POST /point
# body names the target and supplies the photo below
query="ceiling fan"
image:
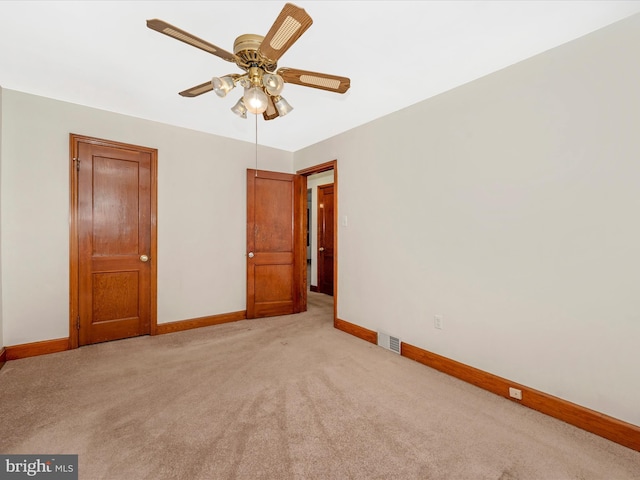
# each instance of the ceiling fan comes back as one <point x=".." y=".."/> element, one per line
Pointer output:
<point x="263" y="81"/>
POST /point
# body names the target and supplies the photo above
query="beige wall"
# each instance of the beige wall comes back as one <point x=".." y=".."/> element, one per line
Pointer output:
<point x="1" y="322"/>
<point x="201" y="213"/>
<point x="511" y="207"/>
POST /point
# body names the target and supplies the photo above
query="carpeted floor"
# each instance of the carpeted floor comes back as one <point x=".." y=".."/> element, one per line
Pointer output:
<point x="281" y="398"/>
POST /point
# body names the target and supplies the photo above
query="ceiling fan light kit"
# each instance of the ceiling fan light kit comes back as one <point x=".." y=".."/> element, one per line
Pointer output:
<point x="262" y="81"/>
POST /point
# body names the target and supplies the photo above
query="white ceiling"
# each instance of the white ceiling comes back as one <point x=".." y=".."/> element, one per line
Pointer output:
<point x="397" y="53"/>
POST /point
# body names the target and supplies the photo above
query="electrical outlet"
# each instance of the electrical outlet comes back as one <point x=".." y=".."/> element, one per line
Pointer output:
<point x="515" y="393"/>
<point x="437" y="322"/>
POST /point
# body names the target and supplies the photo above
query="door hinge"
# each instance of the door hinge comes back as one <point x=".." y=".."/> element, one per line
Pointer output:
<point x="77" y="160"/>
<point x="78" y="322"/>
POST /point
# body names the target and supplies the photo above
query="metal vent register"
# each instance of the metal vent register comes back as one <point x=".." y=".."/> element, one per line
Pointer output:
<point x="389" y="342"/>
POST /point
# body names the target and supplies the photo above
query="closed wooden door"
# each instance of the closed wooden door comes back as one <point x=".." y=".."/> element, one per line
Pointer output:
<point x="115" y="223"/>
<point x="325" y="239"/>
<point x="276" y="247"/>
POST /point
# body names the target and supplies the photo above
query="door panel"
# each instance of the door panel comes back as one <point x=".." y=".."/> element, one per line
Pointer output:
<point x="325" y="238"/>
<point x="273" y="214"/>
<point x="276" y="258"/>
<point x="115" y="200"/>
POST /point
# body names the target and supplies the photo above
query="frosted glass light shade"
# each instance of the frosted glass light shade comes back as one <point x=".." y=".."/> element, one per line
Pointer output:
<point x="255" y="100"/>
<point x="222" y="85"/>
<point x="282" y="106"/>
<point x="239" y="109"/>
<point x="273" y="83"/>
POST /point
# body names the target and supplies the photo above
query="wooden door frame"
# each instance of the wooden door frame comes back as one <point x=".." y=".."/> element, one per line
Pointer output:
<point x="325" y="167"/>
<point x="74" y="260"/>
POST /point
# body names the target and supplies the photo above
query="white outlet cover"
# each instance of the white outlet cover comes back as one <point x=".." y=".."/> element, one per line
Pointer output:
<point x="515" y="393"/>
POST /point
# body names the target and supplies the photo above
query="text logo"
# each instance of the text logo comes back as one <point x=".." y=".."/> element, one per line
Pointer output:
<point x="46" y="467"/>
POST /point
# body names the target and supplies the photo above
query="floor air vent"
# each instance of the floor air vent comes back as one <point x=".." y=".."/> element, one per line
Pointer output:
<point x="387" y="341"/>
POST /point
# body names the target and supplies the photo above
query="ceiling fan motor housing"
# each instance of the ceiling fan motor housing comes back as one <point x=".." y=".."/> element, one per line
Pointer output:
<point x="246" y="49"/>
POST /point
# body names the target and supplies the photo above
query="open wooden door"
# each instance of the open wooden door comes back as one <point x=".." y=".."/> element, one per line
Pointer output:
<point x="276" y="247"/>
<point x="325" y="239"/>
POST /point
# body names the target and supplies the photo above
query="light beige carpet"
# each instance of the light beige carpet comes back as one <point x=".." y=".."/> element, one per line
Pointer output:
<point x="281" y="398"/>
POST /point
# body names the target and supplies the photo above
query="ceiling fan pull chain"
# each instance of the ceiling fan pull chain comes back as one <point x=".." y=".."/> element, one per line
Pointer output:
<point x="256" y="144"/>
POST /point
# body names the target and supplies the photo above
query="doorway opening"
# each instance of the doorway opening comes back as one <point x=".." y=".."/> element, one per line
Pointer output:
<point x="322" y="232"/>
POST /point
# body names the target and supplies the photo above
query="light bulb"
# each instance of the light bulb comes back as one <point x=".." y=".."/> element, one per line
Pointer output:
<point x="255" y="100"/>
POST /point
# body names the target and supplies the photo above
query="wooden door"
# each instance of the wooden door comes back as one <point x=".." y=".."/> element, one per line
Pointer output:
<point x="276" y="253"/>
<point x="325" y="239"/>
<point x="115" y="224"/>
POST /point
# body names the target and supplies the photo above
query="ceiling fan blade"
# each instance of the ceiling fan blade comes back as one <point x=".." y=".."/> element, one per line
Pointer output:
<point x="323" y="81"/>
<point x="197" y="90"/>
<point x="289" y="26"/>
<point x="174" y="32"/>
<point x="271" y="112"/>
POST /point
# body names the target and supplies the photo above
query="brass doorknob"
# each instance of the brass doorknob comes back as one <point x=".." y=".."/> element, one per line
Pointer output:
<point x="144" y="258"/>
<point x="321" y="249"/>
